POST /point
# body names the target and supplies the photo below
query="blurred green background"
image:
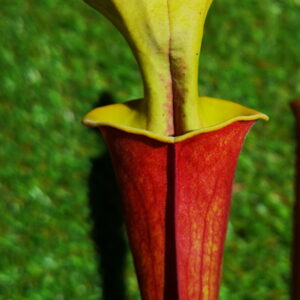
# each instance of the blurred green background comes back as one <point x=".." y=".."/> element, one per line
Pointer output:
<point x="58" y="59"/>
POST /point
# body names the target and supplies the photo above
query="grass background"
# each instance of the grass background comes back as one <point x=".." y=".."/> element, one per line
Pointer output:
<point x="57" y="59"/>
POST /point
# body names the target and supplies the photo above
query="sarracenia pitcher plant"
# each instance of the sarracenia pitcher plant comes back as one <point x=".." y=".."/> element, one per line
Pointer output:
<point x="174" y="153"/>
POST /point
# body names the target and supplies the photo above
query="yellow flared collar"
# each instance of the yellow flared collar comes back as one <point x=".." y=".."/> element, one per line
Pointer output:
<point x="131" y="117"/>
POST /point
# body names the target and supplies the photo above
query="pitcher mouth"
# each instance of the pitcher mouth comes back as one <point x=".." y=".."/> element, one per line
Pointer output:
<point x="131" y="117"/>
